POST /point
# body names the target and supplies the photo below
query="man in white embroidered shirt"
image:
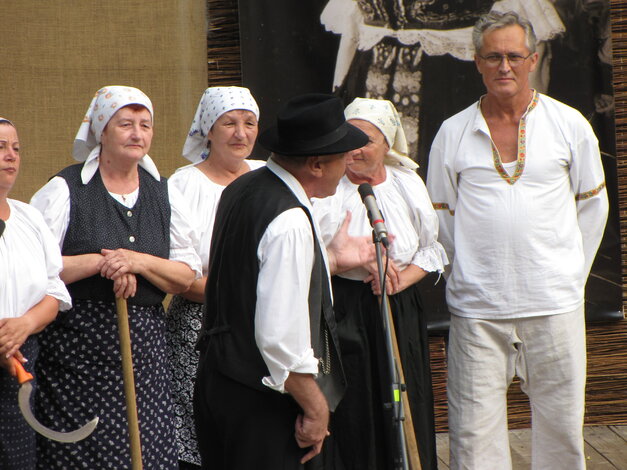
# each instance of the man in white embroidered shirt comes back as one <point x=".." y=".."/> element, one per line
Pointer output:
<point x="269" y="368"/>
<point x="519" y="187"/>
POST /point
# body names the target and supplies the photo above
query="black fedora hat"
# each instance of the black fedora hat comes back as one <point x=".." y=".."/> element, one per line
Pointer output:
<point x="310" y="125"/>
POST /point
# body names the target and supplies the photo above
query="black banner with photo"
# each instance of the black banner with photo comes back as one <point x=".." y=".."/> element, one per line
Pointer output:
<point x="419" y="55"/>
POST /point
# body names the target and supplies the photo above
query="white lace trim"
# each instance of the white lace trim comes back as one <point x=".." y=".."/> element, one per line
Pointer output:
<point x="432" y="258"/>
<point x="457" y="42"/>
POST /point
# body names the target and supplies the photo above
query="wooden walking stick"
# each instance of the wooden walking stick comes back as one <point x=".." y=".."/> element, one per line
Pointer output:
<point x="413" y="454"/>
<point x="129" y="383"/>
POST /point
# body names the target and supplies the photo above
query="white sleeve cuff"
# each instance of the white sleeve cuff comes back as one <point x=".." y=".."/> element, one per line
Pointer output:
<point x="431" y="258"/>
<point x="189" y="257"/>
<point x="307" y="364"/>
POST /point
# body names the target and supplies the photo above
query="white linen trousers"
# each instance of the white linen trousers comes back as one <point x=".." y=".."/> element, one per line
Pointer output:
<point x="548" y="354"/>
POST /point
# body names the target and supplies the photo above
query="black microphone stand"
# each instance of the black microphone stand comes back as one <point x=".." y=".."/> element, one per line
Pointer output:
<point x="396" y="387"/>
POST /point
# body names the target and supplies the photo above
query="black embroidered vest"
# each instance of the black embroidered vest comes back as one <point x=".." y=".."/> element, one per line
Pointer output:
<point x="98" y="221"/>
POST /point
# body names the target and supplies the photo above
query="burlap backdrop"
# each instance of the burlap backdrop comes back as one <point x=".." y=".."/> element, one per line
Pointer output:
<point x="56" y="54"/>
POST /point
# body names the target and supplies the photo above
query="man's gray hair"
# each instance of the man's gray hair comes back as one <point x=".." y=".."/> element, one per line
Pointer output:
<point x="497" y="20"/>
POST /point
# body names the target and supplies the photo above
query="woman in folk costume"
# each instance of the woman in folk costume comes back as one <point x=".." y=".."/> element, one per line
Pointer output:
<point x="32" y="294"/>
<point x="122" y="233"/>
<point x="360" y="424"/>
<point x="221" y="137"/>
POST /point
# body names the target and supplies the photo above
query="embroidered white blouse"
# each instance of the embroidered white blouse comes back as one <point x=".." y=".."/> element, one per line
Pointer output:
<point x="202" y="196"/>
<point x="409" y="216"/>
<point x="30" y="263"/>
<point x="521" y="241"/>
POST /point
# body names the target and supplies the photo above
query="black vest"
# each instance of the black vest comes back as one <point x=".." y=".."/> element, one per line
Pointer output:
<point x="98" y="221"/>
<point x="247" y="206"/>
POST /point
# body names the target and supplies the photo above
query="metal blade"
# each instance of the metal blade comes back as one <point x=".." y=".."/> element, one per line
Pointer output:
<point x="71" y="436"/>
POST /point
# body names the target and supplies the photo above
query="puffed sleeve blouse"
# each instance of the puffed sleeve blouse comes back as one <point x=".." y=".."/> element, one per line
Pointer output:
<point x="202" y="196"/>
<point x="30" y="263"/>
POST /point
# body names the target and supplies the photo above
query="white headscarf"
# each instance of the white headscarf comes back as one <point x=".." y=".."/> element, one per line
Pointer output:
<point x="383" y="115"/>
<point x="214" y="103"/>
<point x="107" y="101"/>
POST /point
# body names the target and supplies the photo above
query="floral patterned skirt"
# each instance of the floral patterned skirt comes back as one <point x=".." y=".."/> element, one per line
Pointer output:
<point x="184" y="319"/>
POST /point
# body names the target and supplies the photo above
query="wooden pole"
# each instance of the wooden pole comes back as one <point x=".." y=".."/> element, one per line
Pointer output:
<point x="413" y="455"/>
<point x="129" y="383"/>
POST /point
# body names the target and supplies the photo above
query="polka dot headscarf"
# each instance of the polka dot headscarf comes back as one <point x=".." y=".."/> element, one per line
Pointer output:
<point x="214" y="103"/>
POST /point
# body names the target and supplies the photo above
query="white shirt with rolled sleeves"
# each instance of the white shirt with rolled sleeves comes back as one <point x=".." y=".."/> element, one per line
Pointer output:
<point x="521" y="248"/>
<point x="53" y="201"/>
<point x="286" y="256"/>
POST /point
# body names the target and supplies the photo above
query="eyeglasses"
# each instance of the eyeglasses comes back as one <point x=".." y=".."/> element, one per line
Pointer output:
<point x="514" y="60"/>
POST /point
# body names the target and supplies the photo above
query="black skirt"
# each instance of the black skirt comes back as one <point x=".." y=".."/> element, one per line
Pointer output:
<point x="363" y="429"/>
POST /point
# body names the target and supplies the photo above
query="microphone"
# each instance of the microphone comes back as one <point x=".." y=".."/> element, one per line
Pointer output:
<point x="374" y="214"/>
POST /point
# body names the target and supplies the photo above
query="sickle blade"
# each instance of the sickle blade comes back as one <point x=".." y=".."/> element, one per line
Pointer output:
<point x="71" y="436"/>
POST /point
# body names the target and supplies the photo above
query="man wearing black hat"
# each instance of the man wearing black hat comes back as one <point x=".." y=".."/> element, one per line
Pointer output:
<point x="269" y="370"/>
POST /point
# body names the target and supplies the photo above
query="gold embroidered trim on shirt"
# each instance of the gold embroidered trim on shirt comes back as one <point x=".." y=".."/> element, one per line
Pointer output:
<point x="522" y="147"/>
<point x="443" y="206"/>
<point x="591" y="193"/>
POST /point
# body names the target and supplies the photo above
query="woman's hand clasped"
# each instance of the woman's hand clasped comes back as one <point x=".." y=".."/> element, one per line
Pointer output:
<point x="125" y="286"/>
<point x="118" y="265"/>
<point x="392" y="278"/>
